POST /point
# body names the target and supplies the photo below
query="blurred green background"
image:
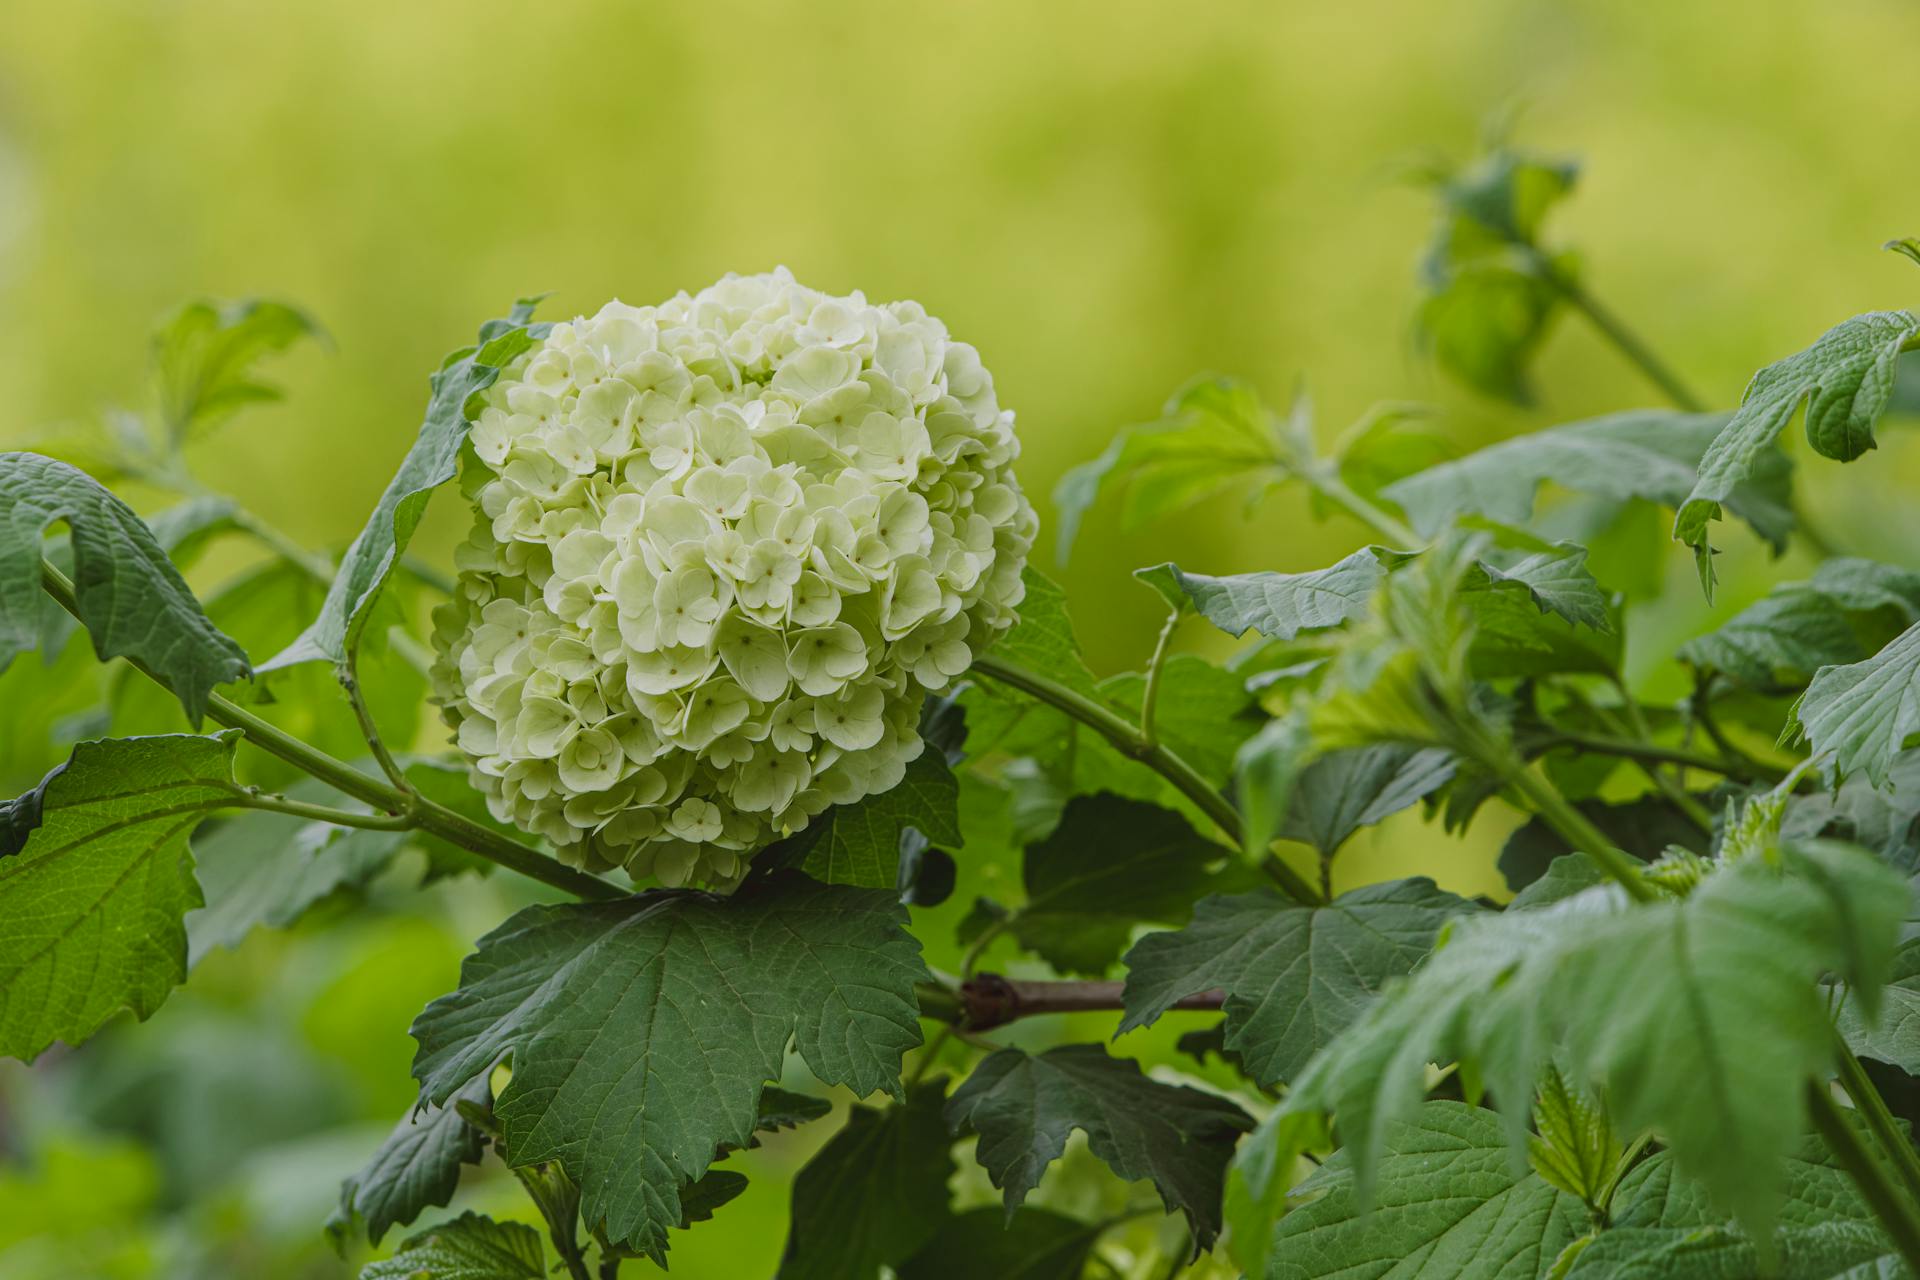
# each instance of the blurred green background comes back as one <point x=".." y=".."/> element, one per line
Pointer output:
<point x="1104" y="197"/>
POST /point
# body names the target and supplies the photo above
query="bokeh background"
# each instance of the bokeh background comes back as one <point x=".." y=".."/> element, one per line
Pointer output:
<point x="1105" y="196"/>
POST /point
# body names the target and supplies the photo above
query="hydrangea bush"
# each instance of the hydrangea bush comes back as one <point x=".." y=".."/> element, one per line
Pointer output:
<point x="722" y="549"/>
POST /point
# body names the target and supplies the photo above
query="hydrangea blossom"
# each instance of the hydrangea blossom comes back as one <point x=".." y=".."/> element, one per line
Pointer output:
<point x="723" y="548"/>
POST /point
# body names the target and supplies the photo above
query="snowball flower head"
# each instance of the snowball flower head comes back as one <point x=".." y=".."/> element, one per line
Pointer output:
<point x="723" y="548"/>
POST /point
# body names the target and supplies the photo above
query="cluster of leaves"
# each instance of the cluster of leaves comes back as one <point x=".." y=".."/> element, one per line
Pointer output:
<point x="1647" y="1062"/>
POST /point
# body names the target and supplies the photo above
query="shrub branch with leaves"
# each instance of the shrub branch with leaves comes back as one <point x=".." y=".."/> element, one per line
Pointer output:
<point x="747" y="607"/>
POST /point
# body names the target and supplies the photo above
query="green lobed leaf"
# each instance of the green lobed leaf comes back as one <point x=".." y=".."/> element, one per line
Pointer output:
<point x="1110" y="864"/>
<point x="1491" y="294"/>
<point x="642" y="1031"/>
<point x="1845" y="380"/>
<point x="1283" y="605"/>
<point x="471" y="1247"/>
<point x="95" y="877"/>
<point x="1665" y="1227"/>
<point x="1643" y="453"/>
<point x="980" y="1244"/>
<point x="430" y="463"/>
<point x="1024" y="1107"/>
<point x="859" y="843"/>
<point x="1449" y="1202"/>
<point x="1721" y="989"/>
<point x="1267" y="775"/>
<point x="204" y="356"/>
<point x="875" y="1194"/>
<point x="1262" y="1173"/>
<point x="1343" y="791"/>
<point x="1295" y="976"/>
<point x="415" y="1168"/>
<point x="1842" y="615"/>
<point x="269" y="869"/>
<point x="1862" y="715"/>
<point x="1574" y="1148"/>
<point x="1212" y="433"/>
<point x="1894" y="1035"/>
<point x="131" y="599"/>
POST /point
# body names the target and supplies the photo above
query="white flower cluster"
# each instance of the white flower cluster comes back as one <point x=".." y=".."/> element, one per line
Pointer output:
<point x="723" y="547"/>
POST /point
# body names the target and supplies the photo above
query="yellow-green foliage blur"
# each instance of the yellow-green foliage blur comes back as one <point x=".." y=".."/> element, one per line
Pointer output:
<point x="1105" y="197"/>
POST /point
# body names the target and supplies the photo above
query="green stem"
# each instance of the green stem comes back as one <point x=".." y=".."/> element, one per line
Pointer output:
<point x="1127" y="739"/>
<point x="254" y="798"/>
<point x="1573" y="826"/>
<point x="1150" y="698"/>
<point x="427" y="815"/>
<point x="1621" y="1168"/>
<point x="1873" y="1109"/>
<point x="1614" y="330"/>
<point x="1326" y="481"/>
<point x="1867" y="1174"/>
<point x="1654" y="753"/>
<point x="349" y="679"/>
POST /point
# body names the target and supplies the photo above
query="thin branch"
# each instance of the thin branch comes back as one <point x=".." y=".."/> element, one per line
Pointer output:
<point x="348" y="675"/>
<point x="1168" y="764"/>
<point x="987" y="1000"/>
<point x="1654" y="753"/>
<point x="254" y="798"/>
<point x="428" y="815"/>
<point x="1867" y="1174"/>
<point x="1150" y="698"/>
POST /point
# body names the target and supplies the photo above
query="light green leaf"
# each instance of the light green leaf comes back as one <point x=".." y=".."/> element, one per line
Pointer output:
<point x="1110" y="864"/>
<point x="132" y="600"/>
<point x="1267" y="774"/>
<point x="1024" y="1107"/>
<point x="1213" y="433"/>
<point x="1844" y="379"/>
<point x="1282" y="605"/>
<point x="980" y="1245"/>
<point x="1491" y="294"/>
<point x="1894" y="1036"/>
<point x="1295" y="976"/>
<point x="1262" y="1173"/>
<point x="204" y="356"/>
<point x="1722" y="989"/>
<point x="471" y="1247"/>
<point x="1574" y="1147"/>
<point x="641" y="1031"/>
<point x="1842" y="615"/>
<point x="269" y="869"/>
<point x="430" y="463"/>
<point x="1643" y="453"/>
<point x="1450" y="1202"/>
<point x="875" y="1194"/>
<point x="416" y="1168"/>
<point x="95" y="877"/>
<point x="1344" y="791"/>
<point x="1864" y="713"/>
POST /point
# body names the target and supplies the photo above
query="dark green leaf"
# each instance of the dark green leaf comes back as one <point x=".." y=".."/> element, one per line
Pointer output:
<point x="430" y="463"/>
<point x="1024" y="1107"/>
<point x="1894" y="1036"/>
<point x="1862" y="715"/>
<point x="1643" y="453"/>
<point x="471" y="1247"/>
<point x="1344" y="791"/>
<point x="417" y="1167"/>
<point x="642" y="1031"/>
<point x="859" y="843"/>
<point x="1721" y="989"/>
<point x="95" y="894"/>
<point x="1665" y="1228"/>
<point x="1450" y="1202"/>
<point x="132" y="600"/>
<point x="981" y="1245"/>
<point x="873" y="1195"/>
<point x="1844" y="379"/>
<point x="707" y="1194"/>
<point x="1295" y="976"/>
<point x="1109" y="865"/>
<point x="204" y="356"/>
<point x="1267" y="781"/>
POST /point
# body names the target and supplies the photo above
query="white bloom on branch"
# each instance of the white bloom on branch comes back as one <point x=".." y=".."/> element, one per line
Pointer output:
<point x="722" y="549"/>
